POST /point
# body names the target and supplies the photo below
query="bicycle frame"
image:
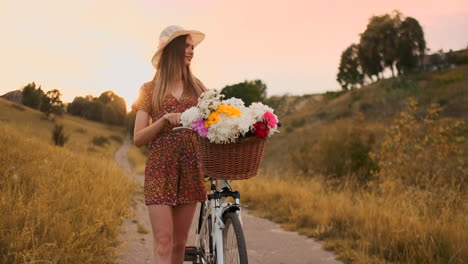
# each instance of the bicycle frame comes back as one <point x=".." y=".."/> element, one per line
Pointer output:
<point x="216" y="206"/>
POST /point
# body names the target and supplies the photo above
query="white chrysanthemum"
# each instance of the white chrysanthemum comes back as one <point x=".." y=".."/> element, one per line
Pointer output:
<point x="227" y="129"/>
<point x="272" y="131"/>
<point x="258" y="110"/>
<point x="190" y="115"/>
<point x="247" y="120"/>
<point x="236" y="102"/>
<point x="209" y="102"/>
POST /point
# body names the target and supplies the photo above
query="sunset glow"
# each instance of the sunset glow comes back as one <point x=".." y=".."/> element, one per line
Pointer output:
<point x="87" y="47"/>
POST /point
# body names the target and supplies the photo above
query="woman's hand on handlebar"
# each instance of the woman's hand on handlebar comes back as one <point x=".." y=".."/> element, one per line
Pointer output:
<point x="172" y="118"/>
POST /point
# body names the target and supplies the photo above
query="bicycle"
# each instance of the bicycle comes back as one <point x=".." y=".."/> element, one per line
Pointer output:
<point x="219" y="235"/>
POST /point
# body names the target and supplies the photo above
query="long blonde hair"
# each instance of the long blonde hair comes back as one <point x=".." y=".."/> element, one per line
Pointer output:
<point x="171" y="68"/>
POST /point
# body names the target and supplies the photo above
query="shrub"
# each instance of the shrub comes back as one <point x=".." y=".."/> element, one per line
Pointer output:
<point x="423" y="152"/>
<point x="100" y="141"/>
<point x="330" y="95"/>
<point x="58" y="135"/>
<point x="116" y="138"/>
<point x="339" y="154"/>
<point x="346" y="153"/>
<point x="81" y="130"/>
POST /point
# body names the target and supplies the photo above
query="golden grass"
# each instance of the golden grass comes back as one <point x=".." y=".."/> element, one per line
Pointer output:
<point x="412" y="210"/>
<point x="364" y="227"/>
<point x="58" y="204"/>
<point x="81" y="132"/>
<point x="137" y="159"/>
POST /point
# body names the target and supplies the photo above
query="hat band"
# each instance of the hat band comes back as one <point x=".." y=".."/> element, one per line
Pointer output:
<point x="161" y="44"/>
<point x="162" y="41"/>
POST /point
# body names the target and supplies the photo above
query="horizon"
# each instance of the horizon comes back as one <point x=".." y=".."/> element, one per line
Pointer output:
<point x="81" y="48"/>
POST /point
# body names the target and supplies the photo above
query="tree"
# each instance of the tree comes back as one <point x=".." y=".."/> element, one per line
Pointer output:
<point x="114" y="108"/>
<point x="390" y="41"/>
<point x="108" y="108"/>
<point x="51" y="103"/>
<point x="368" y="56"/>
<point x="106" y="97"/>
<point x="350" y="72"/>
<point x="130" y="122"/>
<point x="248" y="91"/>
<point x="31" y="96"/>
<point x="378" y="44"/>
<point x="388" y="35"/>
<point x="411" y="45"/>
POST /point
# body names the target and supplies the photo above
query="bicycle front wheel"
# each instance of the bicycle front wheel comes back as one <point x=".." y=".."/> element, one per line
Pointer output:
<point x="206" y="241"/>
<point x="234" y="248"/>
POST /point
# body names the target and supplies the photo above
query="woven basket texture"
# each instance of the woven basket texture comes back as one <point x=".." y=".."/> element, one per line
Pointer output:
<point x="239" y="160"/>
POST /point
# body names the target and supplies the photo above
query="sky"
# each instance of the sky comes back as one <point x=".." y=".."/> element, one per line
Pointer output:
<point x="85" y="47"/>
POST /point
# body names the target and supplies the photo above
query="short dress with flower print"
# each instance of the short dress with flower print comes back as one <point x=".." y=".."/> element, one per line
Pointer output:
<point x="172" y="173"/>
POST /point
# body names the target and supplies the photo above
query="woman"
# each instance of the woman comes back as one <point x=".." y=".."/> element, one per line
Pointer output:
<point x="173" y="179"/>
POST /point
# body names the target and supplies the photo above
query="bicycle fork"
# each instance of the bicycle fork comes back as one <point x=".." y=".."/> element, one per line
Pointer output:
<point x="218" y="232"/>
<point x="219" y="209"/>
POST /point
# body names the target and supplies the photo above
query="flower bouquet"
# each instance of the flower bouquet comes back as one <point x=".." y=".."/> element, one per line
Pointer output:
<point x="231" y="136"/>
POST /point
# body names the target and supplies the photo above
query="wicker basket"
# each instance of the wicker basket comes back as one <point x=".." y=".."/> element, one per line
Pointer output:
<point x="234" y="161"/>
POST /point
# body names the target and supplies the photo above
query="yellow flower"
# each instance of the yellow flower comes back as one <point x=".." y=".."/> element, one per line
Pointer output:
<point x="228" y="110"/>
<point x="213" y="118"/>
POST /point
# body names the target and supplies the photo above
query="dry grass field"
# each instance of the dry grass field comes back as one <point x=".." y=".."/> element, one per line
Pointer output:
<point x="379" y="173"/>
<point x="59" y="204"/>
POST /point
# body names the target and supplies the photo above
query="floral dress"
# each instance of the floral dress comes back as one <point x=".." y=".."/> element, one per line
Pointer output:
<point x="172" y="173"/>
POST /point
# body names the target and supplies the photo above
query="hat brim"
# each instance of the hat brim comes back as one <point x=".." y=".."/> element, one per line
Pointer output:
<point x="196" y="35"/>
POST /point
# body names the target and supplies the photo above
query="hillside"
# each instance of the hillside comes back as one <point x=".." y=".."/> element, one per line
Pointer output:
<point x="59" y="204"/>
<point x="308" y="118"/>
<point x="378" y="177"/>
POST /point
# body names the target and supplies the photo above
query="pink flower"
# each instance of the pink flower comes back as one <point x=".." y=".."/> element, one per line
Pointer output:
<point x="199" y="126"/>
<point x="270" y="119"/>
<point x="261" y="129"/>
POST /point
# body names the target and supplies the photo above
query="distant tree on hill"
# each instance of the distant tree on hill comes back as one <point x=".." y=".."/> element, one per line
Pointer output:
<point x="379" y="44"/>
<point x="390" y="41"/>
<point x="51" y="103"/>
<point x="350" y="73"/>
<point x="248" y="91"/>
<point x="130" y="123"/>
<point x="108" y="108"/>
<point x="47" y="103"/>
<point x="106" y="97"/>
<point x="32" y="95"/>
<point x="411" y="45"/>
<point x="368" y="56"/>
<point x="115" y="111"/>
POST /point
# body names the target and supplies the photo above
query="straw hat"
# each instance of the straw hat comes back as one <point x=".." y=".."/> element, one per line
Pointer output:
<point x="172" y="32"/>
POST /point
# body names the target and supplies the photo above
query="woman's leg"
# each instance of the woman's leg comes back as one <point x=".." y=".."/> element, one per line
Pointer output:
<point x="182" y="216"/>
<point x="162" y="225"/>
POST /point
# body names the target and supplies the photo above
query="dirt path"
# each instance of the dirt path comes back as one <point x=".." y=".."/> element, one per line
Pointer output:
<point x="266" y="241"/>
<point x="137" y="247"/>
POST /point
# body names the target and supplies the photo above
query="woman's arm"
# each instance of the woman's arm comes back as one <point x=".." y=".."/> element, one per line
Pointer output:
<point x="143" y="133"/>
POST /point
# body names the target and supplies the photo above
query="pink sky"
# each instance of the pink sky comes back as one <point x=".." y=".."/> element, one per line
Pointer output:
<point x="87" y="47"/>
